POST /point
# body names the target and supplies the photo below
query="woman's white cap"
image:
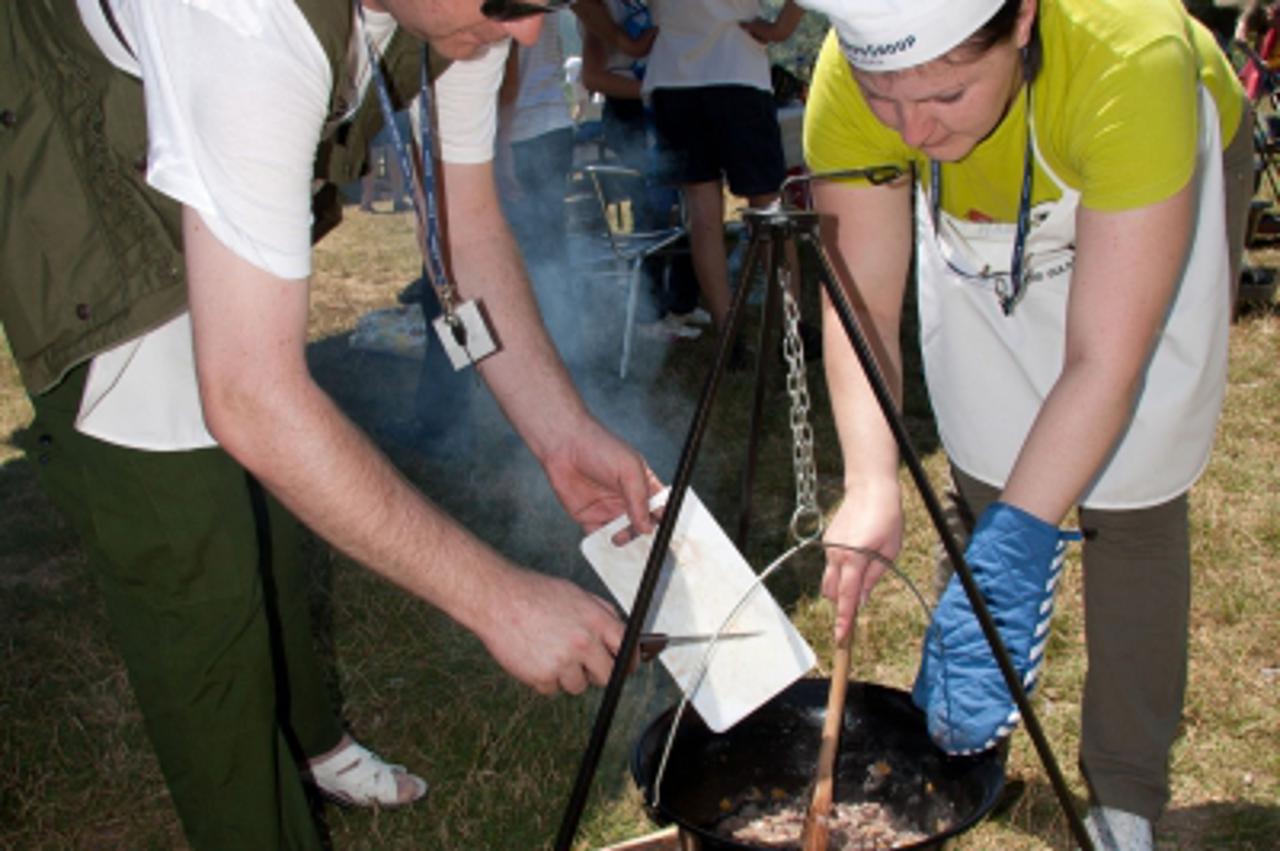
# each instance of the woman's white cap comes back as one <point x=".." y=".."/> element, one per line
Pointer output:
<point x="889" y="35"/>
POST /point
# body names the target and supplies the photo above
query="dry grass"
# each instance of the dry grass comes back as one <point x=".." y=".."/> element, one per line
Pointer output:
<point x="76" y="771"/>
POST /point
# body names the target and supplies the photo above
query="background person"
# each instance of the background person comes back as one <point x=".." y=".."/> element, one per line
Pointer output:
<point x="535" y="155"/>
<point x="709" y="83"/>
<point x="1257" y="28"/>
<point x="1076" y="359"/>
<point x="382" y="155"/>
<point x="155" y="298"/>
<point x="629" y="133"/>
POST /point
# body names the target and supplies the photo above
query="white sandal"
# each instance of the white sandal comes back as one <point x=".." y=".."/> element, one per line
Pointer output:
<point x="356" y="776"/>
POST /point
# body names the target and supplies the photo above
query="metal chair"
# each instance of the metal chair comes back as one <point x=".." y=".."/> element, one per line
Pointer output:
<point x="624" y="246"/>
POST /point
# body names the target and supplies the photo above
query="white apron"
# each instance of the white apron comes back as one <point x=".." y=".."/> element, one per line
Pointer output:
<point x="988" y="374"/>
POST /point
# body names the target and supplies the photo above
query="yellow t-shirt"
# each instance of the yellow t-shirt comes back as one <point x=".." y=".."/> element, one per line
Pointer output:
<point x="1114" y="103"/>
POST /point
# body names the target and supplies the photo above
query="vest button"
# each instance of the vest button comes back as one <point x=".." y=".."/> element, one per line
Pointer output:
<point x="8" y="118"/>
<point x="140" y="165"/>
<point x="82" y="312"/>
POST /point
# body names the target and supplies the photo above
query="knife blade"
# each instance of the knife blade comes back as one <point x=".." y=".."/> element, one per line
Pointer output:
<point x="653" y="643"/>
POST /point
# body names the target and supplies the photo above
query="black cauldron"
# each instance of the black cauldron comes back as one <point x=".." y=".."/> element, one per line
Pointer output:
<point x="776" y="747"/>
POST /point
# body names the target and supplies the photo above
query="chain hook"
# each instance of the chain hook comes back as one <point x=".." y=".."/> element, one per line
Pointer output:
<point x="807" y="521"/>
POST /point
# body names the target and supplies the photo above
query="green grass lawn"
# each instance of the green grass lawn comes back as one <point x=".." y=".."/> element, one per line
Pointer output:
<point x="76" y="770"/>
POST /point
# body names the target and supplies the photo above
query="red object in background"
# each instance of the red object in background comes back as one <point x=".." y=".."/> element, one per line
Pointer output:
<point x="1253" y="76"/>
<point x="797" y="194"/>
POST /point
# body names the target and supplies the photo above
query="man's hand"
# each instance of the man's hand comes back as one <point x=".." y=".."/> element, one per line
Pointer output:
<point x="551" y="635"/>
<point x="597" y="477"/>
<point x="869" y="519"/>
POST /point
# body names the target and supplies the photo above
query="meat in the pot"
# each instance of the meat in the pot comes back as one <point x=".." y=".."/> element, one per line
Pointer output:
<point x="776" y="820"/>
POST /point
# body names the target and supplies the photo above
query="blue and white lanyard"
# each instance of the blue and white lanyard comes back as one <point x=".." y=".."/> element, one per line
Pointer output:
<point x="1008" y="293"/>
<point x="424" y="179"/>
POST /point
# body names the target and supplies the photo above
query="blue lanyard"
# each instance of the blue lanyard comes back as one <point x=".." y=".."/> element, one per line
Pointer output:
<point x="1008" y="295"/>
<point x="424" y="180"/>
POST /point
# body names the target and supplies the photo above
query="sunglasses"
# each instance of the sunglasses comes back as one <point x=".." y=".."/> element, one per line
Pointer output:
<point x="515" y="10"/>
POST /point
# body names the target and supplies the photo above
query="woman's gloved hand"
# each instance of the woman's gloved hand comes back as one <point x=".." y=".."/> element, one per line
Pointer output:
<point x="1016" y="559"/>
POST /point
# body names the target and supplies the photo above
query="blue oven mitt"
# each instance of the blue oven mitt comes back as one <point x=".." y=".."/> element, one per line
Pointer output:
<point x="1016" y="559"/>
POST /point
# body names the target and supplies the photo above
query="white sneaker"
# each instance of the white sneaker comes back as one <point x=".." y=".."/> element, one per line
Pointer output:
<point x="1116" y="830"/>
<point x="667" y="329"/>
<point x="697" y="316"/>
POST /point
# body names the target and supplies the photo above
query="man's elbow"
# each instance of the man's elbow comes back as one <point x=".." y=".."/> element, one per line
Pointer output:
<point x="228" y="413"/>
<point x="243" y="411"/>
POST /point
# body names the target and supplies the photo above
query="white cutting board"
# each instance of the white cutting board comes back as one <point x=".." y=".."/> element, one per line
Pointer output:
<point x="698" y="589"/>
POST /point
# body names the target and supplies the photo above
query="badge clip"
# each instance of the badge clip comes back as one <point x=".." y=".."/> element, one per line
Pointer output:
<point x="465" y="335"/>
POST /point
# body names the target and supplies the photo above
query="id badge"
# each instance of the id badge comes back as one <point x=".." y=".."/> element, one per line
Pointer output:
<point x="467" y="339"/>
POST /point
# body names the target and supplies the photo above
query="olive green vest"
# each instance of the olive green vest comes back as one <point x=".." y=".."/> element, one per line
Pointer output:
<point x="90" y="256"/>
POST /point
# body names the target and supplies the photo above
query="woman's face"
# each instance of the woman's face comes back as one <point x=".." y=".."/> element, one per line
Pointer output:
<point x="947" y="106"/>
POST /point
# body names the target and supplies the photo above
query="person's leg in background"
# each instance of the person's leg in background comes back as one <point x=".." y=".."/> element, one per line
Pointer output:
<point x="542" y="166"/>
<point x="679" y="287"/>
<point x="670" y="283"/>
<point x="369" y="183"/>
<point x="754" y="164"/>
<point x="688" y="146"/>
<point x="1238" y="180"/>
<point x="401" y="199"/>
<point x="172" y="541"/>
<point x="714" y="133"/>
<point x="704" y="207"/>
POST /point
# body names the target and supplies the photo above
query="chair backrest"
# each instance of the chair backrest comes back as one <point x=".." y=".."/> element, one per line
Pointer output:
<point x="616" y="187"/>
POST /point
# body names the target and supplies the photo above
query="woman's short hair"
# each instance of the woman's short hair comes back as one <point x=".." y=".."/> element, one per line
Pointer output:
<point x="1001" y="27"/>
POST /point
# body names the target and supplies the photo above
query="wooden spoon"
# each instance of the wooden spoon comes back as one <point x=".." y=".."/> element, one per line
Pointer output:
<point x="815" y="835"/>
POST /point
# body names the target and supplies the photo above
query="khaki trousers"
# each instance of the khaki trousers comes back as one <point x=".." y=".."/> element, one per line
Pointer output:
<point x="1137" y="597"/>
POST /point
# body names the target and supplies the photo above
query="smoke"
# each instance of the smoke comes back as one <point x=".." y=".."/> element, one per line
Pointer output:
<point x="581" y="290"/>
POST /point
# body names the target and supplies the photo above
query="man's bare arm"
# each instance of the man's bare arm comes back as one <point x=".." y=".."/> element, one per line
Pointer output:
<point x="263" y="407"/>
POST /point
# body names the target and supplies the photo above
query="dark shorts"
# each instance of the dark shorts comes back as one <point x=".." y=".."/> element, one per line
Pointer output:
<point x="712" y="132"/>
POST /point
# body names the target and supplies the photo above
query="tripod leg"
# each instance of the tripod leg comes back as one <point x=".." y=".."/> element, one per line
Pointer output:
<point x="652" y="571"/>
<point x="769" y="326"/>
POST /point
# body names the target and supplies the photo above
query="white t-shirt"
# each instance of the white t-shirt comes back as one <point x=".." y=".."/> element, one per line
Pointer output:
<point x="700" y="43"/>
<point x="241" y="152"/>
<point x="540" y="105"/>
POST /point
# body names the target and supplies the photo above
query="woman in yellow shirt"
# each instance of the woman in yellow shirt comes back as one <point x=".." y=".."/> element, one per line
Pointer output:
<point x="1070" y="236"/>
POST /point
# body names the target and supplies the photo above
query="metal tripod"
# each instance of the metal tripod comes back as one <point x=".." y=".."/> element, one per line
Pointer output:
<point x="777" y="236"/>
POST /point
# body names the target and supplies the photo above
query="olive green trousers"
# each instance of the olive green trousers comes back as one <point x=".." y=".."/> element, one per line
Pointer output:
<point x="202" y="578"/>
<point x="1137" y="601"/>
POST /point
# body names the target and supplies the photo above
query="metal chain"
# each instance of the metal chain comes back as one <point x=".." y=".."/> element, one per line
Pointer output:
<point x="807" y="521"/>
